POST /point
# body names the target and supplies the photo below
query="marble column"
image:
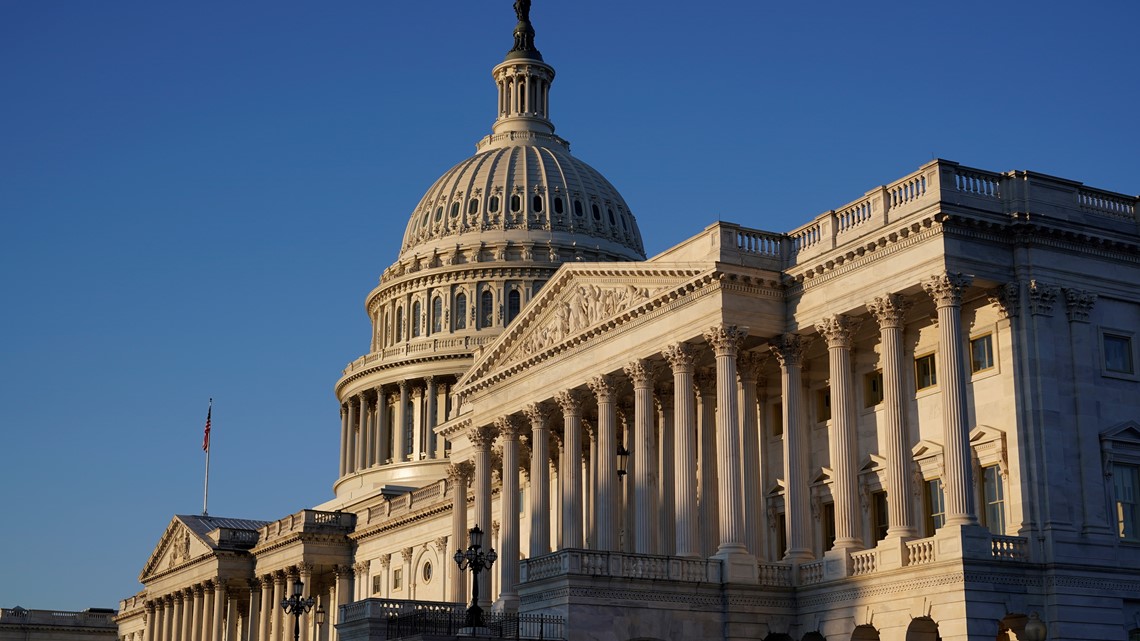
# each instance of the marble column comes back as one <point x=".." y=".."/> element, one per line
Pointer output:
<point x="539" y="481"/>
<point x="590" y="485"/>
<point x="206" y="630"/>
<point x="680" y="357"/>
<point x="343" y="440"/>
<point x="482" y="438"/>
<point x="189" y="608"/>
<point x="707" y="491"/>
<point x="231" y="623"/>
<point x="946" y="291"/>
<point x="305" y="571"/>
<point x="401" y="426"/>
<point x="148" y="629"/>
<point x="430" y="417"/>
<point x="343" y="593"/>
<point x="418" y="443"/>
<point x="666" y="479"/>
<point x="797" y="506"/>
<point x="725" y="341"/>
<point x="644" y="492"/>
<point x="571" y="405"/>
<point x="361" y="432"/>
<point x="889" y="311"/>
<point x="367" y="427"/>
<point x="277" y="620"/>
<point x="749" y="364"/>
<point x="458" y="476"/>
<point x="441" y="416"/>
<point x="172" y="622"/>
<point x="607" y="490"/>
<point x="382" y="427"/>
<point x="265" y="609"/>
<point x="350" y="453"/>
<point x="509" y="517"/>
<point x="842" y="437"/>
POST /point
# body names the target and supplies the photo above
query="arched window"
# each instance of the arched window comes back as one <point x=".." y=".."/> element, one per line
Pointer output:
<point x="472" y="206"/>
<point x="493" y="204"/>
<point x="415" y="319"/>
<point x="597" y="212"/>
<point x="558" y="205"/>
<point x="516" y="203"/>
<point x="399" y="324"/>
<point x="613" y="221"/>
<point x="578" y="208"/>
<point x="460" y="311"/>
<point x="536" y="203"/>
<point x="514" y="302"/>
<point x="454" y="210"/>
<point x="486" y="309"/>
<point x="437" y="315"/>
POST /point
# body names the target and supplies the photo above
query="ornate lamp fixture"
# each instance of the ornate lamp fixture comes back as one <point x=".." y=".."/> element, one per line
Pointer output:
<point x="298" y="605"/>
<point x="478" y="561"/>
<point x="1035" y="629"/>
<point x="622" y="461"/>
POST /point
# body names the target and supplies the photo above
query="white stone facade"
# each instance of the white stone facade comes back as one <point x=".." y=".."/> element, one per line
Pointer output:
<point x="915" y="417"/>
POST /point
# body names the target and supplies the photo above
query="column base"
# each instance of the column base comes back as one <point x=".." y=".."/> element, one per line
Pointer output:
<point x="736" y="565"/>
<point x="963" y="541"/>
<point x="893" y="552"/>
<point x="837" y="563"/>
<point x="506" y="603"/>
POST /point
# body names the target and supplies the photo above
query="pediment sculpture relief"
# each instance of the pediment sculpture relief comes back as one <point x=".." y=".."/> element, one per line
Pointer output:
<point x="588" y="306"/>
<point x="179" y="548"/>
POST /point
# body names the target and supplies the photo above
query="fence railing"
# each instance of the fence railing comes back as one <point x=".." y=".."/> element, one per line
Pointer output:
<point x="496" y="625"/>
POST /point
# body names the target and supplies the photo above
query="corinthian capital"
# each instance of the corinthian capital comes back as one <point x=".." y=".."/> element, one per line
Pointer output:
<point x="748" y="367"/>
<point x="602" y="387"/>
<point x="536" y="414"/>
<point x="569" y="401"/>
<point x="1078" y="304"/>
<point x="640" y="372"/>
<point x="837" y="330"/>
<point x="726" y="339"/>
<point x="483" y="436"/>
<point x="1006" y="298"/>
<point x="889" y="310"/>
<point x="1041" y="298"/>
<point x="680" y="356"/>
<point x="789" y="350"/>
<point x="946" y="288"/>
<point x="508" y="427"/>
<point x="460" y="472"/>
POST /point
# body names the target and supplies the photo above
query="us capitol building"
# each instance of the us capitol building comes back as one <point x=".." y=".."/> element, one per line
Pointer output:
<point x="915" y="417"/>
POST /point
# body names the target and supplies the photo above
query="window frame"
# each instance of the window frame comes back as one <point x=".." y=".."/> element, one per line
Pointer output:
<point x="1125" y="335"/>
<point x="869" y="379"/>
<point x="933" y="357"/>
<point x="992" y="359"/>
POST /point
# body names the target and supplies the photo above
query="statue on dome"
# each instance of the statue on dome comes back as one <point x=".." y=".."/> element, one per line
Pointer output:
<point x="522" y="10"/>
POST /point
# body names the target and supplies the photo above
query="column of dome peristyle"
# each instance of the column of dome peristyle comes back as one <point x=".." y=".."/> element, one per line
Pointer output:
<point x="524" y="96"/>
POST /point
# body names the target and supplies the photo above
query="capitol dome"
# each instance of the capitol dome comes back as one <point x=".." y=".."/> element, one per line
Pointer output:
<point x="478" y="247"/>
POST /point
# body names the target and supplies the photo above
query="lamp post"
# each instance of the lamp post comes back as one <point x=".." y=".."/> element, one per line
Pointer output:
<point x="478" y="561"/>
<point x="622" y="462"/>
<point x="298" y="605"/>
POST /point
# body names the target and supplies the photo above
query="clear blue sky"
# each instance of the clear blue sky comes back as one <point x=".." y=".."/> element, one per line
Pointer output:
<point x="195" y="198"/>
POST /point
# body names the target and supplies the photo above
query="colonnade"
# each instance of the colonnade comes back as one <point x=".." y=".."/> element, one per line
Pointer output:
<point x="714" y="471"/>
<point x="392" y="424"/>
<point x="216" y="610"/>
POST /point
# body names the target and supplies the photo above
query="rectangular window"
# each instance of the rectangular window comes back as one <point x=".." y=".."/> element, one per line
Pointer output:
<point x="935" y="503"/>
<point x="982" y="353"/>
<point x="880" y="516"/>
<point x="376" y="584"/>
<point x="924" y="372"/>
<point x="823" y="404"/>
<point x="781" y="536"/>
<point x="397" y="579"/>
<point x="993" y="493"/>
<point x="1118" y="353"/>
<point x="522" y="501"/>
<point x="777" y="420"/>
<point x="873" y="388"/>
<point x="1126" y="497"/>
<point x="827" y="525"/>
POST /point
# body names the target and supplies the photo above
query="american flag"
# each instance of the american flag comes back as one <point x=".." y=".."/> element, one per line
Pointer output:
<point x="206" y="436"/>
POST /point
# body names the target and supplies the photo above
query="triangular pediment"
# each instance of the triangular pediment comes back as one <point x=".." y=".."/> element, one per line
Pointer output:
<point x="1126" y="432"/>
<point x="579" y="303"/>
<point x="178" y="545"/>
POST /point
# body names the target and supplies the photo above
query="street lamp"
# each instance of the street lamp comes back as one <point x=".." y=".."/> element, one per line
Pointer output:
<point x="478" y="561"/>
<point x="622" y="461"/>
<point x="297" y="605"/>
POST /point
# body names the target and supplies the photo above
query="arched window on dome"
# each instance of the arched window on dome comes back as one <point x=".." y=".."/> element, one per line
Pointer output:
<point x="460" y="314"/>
<point x="454" y="209"/>
<point x="516" y="203"/>
<point x="486" y="309"/>
<point x="597" y="212"/>
<point x="399" y="324"/>
<point x="493" y="205"/>
<point x="472" y="206"/>
<point x="557" y="205"/>
<point x="416" y="319"/>
<point x="514" y="303"/>
<point x="536" y="203"/>
<point x="613" y="221"/>
<point x="578" y="208"/>
<point x="437" y="315"/>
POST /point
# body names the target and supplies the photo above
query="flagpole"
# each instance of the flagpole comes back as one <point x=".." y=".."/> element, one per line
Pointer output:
<point x="206" y="446"/>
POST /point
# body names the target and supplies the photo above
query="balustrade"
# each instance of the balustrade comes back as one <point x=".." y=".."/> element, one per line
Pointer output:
<point x="1009" y="548"/>
<point x="811" y="573"/>
<point x="920" y="552"/>
<point x="775" y="574"/>
<point x="865" y="562"/>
